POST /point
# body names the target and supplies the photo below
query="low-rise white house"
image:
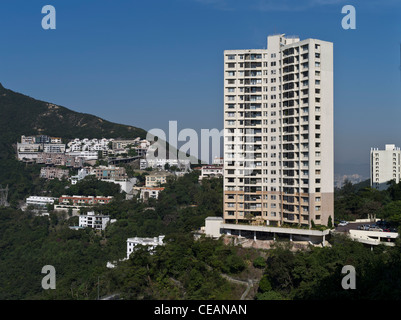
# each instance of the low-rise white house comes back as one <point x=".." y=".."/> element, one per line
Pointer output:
<point x="91" y="220"/>
<point x="38" y="201"/>
<point x="151" y="243"/>
<point x="150" y="192"/>
<point x="82" y="173"/>
<point x="211" y="171"/>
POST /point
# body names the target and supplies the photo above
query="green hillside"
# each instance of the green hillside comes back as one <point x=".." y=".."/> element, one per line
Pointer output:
<point x="23" y="115"/>
<point x="20" y="114"/>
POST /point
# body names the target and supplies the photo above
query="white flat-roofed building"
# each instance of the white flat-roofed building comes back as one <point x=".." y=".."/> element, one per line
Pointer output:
<point x="384" y="166"/>
<point x="28" y="150"/>
<point x="94" y="221"/>
<point x="211" y="171"/>
<point x="82" y="173"/>
<point x="87" y="155"/>
<point x="219" y="161"/>
<point x="151" y="243"/>
<point x="150" y="192"/>
<point x="38" y="201"/>
<point x="54" y="148"/>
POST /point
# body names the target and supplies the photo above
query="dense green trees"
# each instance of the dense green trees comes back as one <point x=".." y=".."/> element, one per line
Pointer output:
<point x="316" y="273"/>
<point x="360" y="202"/>
<point x="182" y="269"/>
<point x="185" y="268"/>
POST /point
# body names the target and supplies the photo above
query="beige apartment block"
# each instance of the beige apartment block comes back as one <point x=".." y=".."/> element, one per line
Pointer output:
<point x="278" y="133"/>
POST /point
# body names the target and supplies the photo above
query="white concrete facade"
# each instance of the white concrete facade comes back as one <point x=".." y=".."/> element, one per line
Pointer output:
<point x="384" y="166"/>
<point x="39" y="201"/>
<point x="278" y="133"/>
<point x="91" y="220"/>
<point x="150" y="243"/>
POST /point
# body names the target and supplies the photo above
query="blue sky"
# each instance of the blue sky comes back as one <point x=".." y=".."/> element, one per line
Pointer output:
<point x="144" y="63"/>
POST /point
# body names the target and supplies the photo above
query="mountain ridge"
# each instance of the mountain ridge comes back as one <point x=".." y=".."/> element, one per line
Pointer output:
<point x="24" y="115"/>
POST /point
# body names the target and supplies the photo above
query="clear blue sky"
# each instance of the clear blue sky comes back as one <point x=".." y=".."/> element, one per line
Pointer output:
<point x="144" y="63"/>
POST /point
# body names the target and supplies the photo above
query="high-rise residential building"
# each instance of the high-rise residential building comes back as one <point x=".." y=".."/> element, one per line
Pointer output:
<point x="278" y="133"/>
<point x="384" y="166"/>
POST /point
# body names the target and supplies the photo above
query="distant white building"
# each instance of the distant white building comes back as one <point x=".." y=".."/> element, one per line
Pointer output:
<point x="384" y="166"/>
<point x="38" y="201"/>
<point x="87" y="155"/>
<point x="151" y="243"/>
<point x="91" y="220"/>
<point x="150" y="192"/>
<point x="89" y="145"/>
<point x="219" y="161"/>
<point x="28" y="150"/>
<point x="161" y="162"/>
<point x="82" y="173"/>
<point x="213" y="171"/>
<point x="54" y="148"/>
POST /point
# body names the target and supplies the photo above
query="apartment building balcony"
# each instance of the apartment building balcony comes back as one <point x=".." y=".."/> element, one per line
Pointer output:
<point x="290" y="59"/>
<point x="292" y="155"/>
<point x="252" y="198"/>
<point x="253" y="175"/>
<point x="292" y="68"/>
<point x="290" y="77"/>
<point x="293" y="94"/>
<point x="290" y="51"/>
<point x="291" y="200"/>
<point x="252" y="73"/>
<point x="252" y="89"/>
<point x="253" y="189"/>
<point x="288" y="147"/>
<point x="290" y="218"/>
<point x="252" y="123"/>
<point x="252" y="139"/>
<point x="252" y="181"/>
<point x="287" y="173"/>
<point x="291" y="103"/>
<point x="305" y="75"/>
<point x="253" y="106"/>
<point x="293" y="112"/>
<point x="290" y="164"/>
<point x="253" y="65"/>
<point x="287" y="138"/>
<point x="252" y="82"/>
<point x="290" y="86"/>
<point x="253" y="56"/>
<point x="252" y="97"/>
<point x="253" y="208"/>
<point x="253" y="166"/>
<point x="290" y="121"/>
<point x="252" y="114"/>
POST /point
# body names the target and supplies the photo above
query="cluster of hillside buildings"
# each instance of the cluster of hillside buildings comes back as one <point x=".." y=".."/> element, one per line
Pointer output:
<point x="52" y="151"/>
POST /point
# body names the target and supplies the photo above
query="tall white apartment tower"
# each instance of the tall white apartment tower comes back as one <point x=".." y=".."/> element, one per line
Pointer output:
<point x="384" y="166"/>
<point x="278" y="133"/>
